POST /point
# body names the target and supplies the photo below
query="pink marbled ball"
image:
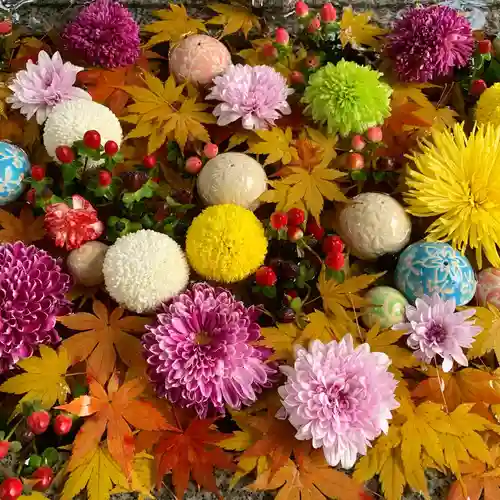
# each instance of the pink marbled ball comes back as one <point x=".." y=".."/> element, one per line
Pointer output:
<point x="199" y="59"/>
<point x="488" y="287"/>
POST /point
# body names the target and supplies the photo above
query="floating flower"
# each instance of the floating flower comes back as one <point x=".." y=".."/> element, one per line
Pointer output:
<point x="347" y="97"/>
<point x="339" y="396"/>
<point x="39" y="87"/>
<point x="200" y="351"/>
<point x="429" y="42"/>
<point x="455" y="180"/>
<point x="104" y="34"/>
<point x="256" y="94"/>
<point x="32" y="295"/>
<point x="434" y="328"/>
<point x="73" y="226"/>
<point x="488" y="106"/>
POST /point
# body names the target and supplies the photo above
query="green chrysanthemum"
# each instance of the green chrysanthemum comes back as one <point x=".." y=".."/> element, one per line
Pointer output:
<point x="347" y="97"/>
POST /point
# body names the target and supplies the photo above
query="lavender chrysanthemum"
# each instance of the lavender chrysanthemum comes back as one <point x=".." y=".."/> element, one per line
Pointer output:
<point x="200" y="351"/>
<point x="428" y="43"/>
<point x="38" y="88"/>
<point x="434" y="328"/>
<point x="32" y="295"/>
<point x="256" y="94"/>
<point x="339" y="396"/>
<point x="104" y="34"/>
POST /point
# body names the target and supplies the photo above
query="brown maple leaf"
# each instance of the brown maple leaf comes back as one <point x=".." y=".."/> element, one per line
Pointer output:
<point x="25" y="228"/>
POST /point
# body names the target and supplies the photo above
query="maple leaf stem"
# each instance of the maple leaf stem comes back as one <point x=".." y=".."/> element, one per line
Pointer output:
<point x="441" y="384"/>
<point x="177" y="421"/>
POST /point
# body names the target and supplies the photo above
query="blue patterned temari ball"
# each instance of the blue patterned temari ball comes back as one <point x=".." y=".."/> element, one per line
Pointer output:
<point x="14" y="167"/>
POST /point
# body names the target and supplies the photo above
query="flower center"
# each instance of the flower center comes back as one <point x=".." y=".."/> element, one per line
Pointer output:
<point x="436" y="333"/>
<point x="202" y="338"/>
<point x="339" y="399"/>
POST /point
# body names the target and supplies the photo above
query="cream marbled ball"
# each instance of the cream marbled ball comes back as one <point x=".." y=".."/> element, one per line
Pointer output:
<point x="232" y="178"/>
<point x="374" y="224"/>
<point x="199" y="59"/>
<point x="85" y="263"/>
<point x="488" y="287"/>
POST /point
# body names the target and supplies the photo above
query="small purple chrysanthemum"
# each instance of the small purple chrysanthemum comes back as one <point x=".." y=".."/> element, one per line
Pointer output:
<point x="434" y="328"/>
<point x="256" y="94"/>
<point x="104" y="34"/>
<point x="339" y="396"/>
<point x="32" y="295"/>
<point x="200" y="351"/>
<point x="429" y="42"/>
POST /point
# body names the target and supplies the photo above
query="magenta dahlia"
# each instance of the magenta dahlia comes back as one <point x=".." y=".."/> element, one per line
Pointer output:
<point x="200" y="351"/>
<point x="429" y="42"/>
<point x="339" y="396"/>
<point x="32" y="295"/>
<point x="104" y="34"/>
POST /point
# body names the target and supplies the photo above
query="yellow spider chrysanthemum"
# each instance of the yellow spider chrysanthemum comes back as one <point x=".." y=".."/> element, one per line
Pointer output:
<point x="226" y="243"/>
<point x="488" y="106"/>
<point x="457" y="179"/>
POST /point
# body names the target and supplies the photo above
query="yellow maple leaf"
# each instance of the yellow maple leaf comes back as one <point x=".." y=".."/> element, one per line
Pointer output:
<point x="277" y="144"/>
<point x="357" y="30"/>
<point x="34" y="495"/>
<point x="489" y="339"/>
<point x="25" y="228"/>
<point x="234" y="18"/>
<point x="44" y="380"/>
<point x="4" y="93"/>
<point x="326" y="145"/>
<point x="162" y="111"/>
<point x="174" y="24"/>
<point x="142" y="479"/>
<point x="326" y="327"/>
<point x="281" y="338"/>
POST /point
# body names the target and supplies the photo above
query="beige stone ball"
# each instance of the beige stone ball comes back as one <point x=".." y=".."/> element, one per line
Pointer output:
<point x="85" y="263"/>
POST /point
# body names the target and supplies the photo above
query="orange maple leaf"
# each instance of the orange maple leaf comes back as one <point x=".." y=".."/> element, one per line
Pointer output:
<point x="25" y="228"/>
<point x="113" y="412"/>
<point x="103" y="335"/>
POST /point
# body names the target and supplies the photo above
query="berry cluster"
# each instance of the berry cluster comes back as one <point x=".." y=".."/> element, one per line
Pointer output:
<point x="290" y="222"/>
<point x="333" y="247"/>
<point x="363" y="147"/>
<point x="194" y="164"/>
<point x="484" y="49"/>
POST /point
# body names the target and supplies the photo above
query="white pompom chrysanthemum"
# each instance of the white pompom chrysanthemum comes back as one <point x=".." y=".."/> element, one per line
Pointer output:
<point x="144" y="269"/>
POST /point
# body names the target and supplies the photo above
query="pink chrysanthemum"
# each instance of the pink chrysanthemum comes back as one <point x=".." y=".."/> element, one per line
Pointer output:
<point x="73" y="226"/>
<point x="39" y="87"/>
<point x="429" y="42"/>
<point x="104" y="34"/>
<point x="434" y="328"/>
<point x="340" y="397"/>
<point x="256" y="94"/>
<point x="200" y="351"/>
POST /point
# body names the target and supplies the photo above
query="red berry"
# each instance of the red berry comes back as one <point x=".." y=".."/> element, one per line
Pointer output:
<point x="211" y="150"/>
<point x="11" y="489"/>
<point x="193" y="165"/>
<point x="484" y="46"/>
<point x="4" y="449"/>
<point x="328" y="13"/>
<point x="292" y="294"/>
<point x="312" y="62"/>
<point x="65" y="154"/>
<point x="31" y="196"/>
<point x="45" y="476"/>
<point x="296" y="217"/>
<point x="265" y="276"/>
<point x="281" y="36"/>
<point x="314" y="229"/>
<point x="105" y="178"/>
<point x="62" y="424"/>
<point x="156" y="179"/>
<point x="37" y="172"/>
<point x="111" y="148"/>
<point x="335" y="260"/>
<point x="5" y="27"/>
<point x="333" y="244"/>
<point x="301" y="9"/>
<point x="478" y="87"/>
<point x="297" y="77"/>
<point x="355" y="161"/>
<point x="149" y="161"/>
<point x="279" y="220"/>
<point x="269" y="50"/>
<point x="92" y="139"/>
<point x="38" y="422"/>
<point x="295" y="233"/>
<point x="375" y="134"/>
<point x="358" y="143"/>
<point x="314" y="25"/>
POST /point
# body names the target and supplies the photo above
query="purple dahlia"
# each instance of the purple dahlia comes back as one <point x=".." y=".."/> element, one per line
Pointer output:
<point x="32" y="295"/>
<point x="429" y="42"/>
<point x="200" y="351"/>
<point x="104" y="34"/>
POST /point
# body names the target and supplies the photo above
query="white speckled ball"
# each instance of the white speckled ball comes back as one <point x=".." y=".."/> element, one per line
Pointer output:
<point x="69" y="121"/>
<point x="232" y="178"/>
<point x="85" y="263"/>
<point x="374" y="224"/>
<point x="199" y="59"/>
<point x="144" y="269"/>
<point x="488" y="287"/>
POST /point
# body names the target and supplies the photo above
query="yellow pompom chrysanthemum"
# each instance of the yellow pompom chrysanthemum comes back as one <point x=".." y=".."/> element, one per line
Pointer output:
<point x="226" y="243"/>
<point x="488" y="106"/>
<point x="457" y="179"/>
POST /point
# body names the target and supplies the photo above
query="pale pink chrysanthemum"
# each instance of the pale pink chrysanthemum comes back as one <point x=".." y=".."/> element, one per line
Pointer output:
<point x="256" y="94"/>
<point x="434" y="328"/>
<point x="39" y="87"/>
<point x="339" y="396"/>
